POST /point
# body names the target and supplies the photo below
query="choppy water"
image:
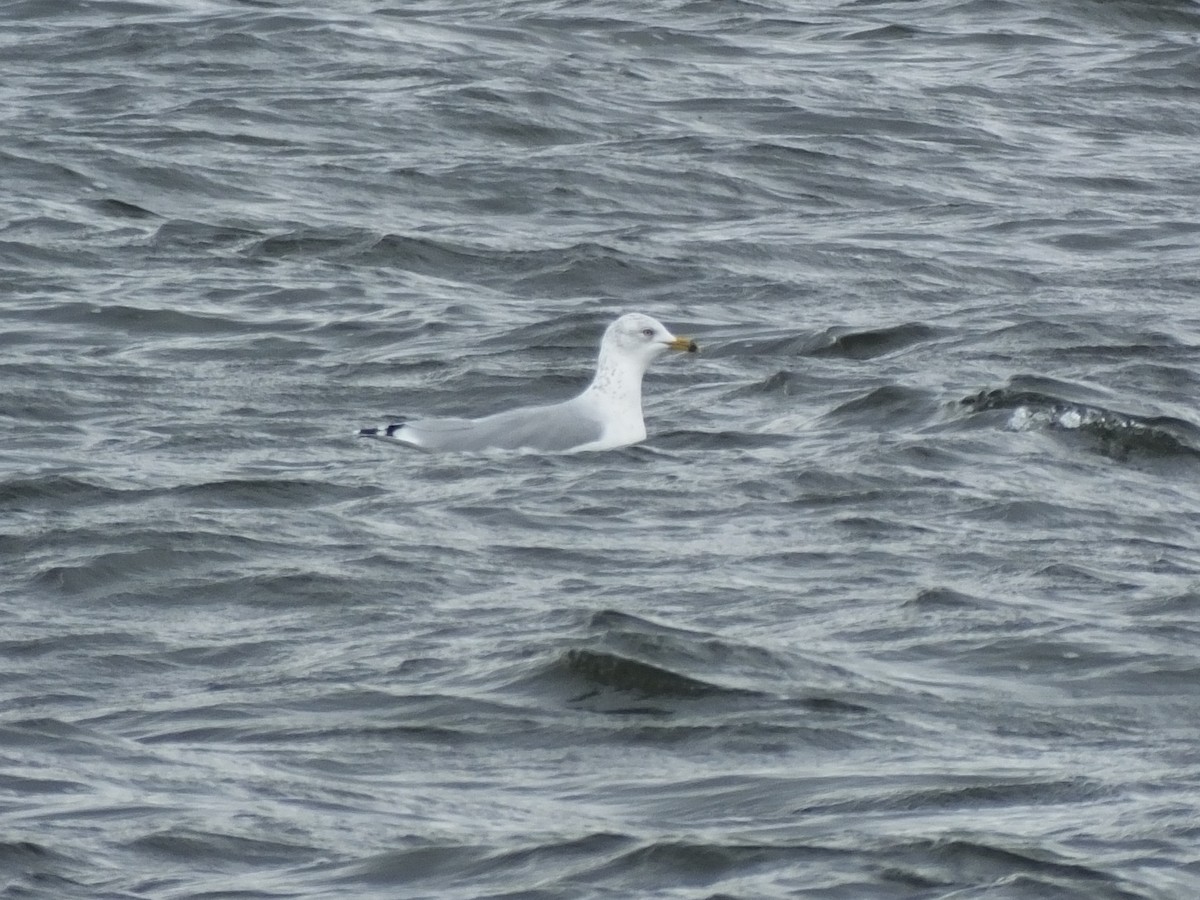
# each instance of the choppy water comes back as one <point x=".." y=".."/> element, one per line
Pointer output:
<point x="900" y="599"/>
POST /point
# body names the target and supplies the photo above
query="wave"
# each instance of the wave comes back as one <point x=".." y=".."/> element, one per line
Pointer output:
<point x="1119" y="435"/>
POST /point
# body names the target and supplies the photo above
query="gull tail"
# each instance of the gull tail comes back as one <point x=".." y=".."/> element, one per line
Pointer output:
<point x="389" y="431"/>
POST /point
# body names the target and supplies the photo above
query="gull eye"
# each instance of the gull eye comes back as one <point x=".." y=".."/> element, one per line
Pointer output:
<point x="648" y="332"/>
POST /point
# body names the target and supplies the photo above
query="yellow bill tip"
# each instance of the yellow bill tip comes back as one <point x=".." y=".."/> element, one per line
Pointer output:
<point x="684" y="343"/>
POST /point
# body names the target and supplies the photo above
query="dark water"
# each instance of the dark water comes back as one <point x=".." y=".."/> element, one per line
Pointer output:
<point x="900" y="599"/>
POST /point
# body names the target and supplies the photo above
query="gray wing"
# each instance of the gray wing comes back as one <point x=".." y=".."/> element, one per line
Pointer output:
<point x="562" y="426"/>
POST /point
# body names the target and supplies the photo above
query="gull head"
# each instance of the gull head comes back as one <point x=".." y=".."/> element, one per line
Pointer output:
<point x="640" y="337"/>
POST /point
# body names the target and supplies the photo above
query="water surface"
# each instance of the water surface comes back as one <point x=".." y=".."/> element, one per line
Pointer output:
<point x="898" y="600"/>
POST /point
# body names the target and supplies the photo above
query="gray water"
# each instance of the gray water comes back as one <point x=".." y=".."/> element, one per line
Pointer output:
<point x="899" y="599"/>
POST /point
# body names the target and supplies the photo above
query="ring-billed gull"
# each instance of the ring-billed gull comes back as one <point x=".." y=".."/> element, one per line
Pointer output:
<point x="607" y="414"/>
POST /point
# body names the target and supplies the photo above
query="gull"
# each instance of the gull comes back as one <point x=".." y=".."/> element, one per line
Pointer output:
<point x="608" y="414"/>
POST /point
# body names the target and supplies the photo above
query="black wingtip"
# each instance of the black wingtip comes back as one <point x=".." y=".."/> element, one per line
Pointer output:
<point x="389" y="431"/>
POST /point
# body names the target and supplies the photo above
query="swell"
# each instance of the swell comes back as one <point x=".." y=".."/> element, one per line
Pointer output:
<point x="1116" y="434"/>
